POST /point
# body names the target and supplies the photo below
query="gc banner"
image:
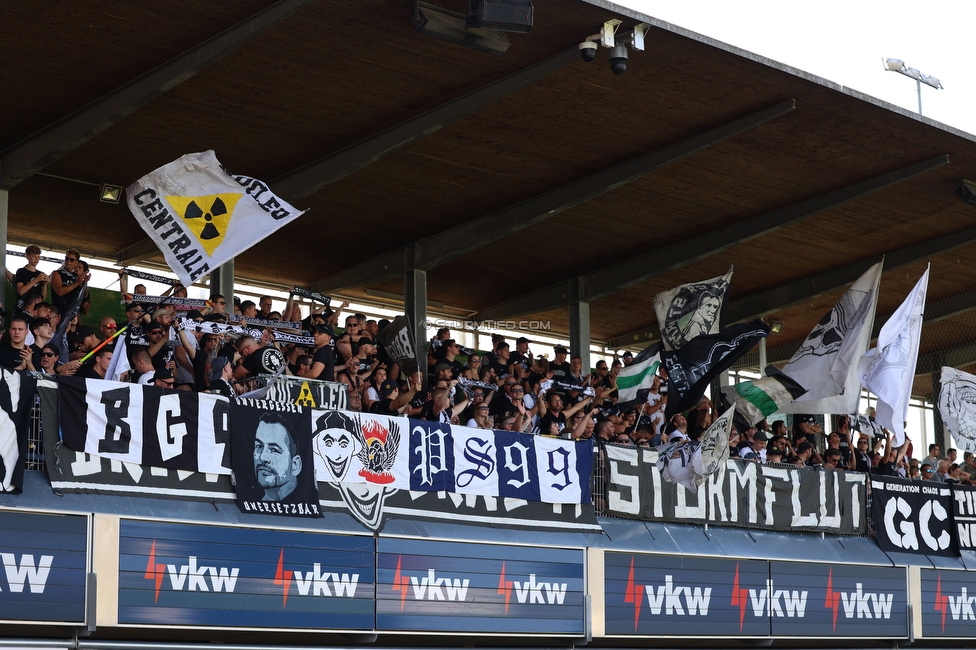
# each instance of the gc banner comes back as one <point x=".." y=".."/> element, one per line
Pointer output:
<point x="740" y="494"/>
<point x="478" y="588"/>
<point x="212" y="576"/>
<point x="913" y="517"/>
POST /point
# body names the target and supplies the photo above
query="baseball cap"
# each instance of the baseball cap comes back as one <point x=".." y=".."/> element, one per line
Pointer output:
<point x="163" y="373"/>
<point x="559" y="349"/>
<point x="805" y="419"/>
<point x="324" y="328"/>
<point x="217" y="367"/>
<point x="387" y="388"/>
<point x="443" y="366"/>
<point x="152" y="327"/>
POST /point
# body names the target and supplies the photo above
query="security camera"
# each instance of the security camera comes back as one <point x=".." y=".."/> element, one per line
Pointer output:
<point x="618" y="59"/>
<point x="588" y="50"/>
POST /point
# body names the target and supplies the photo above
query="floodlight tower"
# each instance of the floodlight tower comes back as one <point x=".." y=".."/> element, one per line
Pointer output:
<point x="897" y="65"/>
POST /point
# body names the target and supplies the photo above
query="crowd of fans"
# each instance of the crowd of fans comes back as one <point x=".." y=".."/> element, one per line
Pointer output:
<point x="504" y="388"/>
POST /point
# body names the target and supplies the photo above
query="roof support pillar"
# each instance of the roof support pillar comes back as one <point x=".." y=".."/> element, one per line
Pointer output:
<point x="579" y="327"/>
<point x="940" y="433"/>
<point x="222" y="282"/>
<point x="4" y="206"/>
<point x="415" y="304"/>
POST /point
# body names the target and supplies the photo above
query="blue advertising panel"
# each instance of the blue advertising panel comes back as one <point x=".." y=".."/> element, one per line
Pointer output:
<point x="213" y="576"/>
<point x="478" y="588"/>
<point x="840" y="600"/>
<point x="669" y="595"/>
<point x="948" y="603"/>
<point x="45" y="565"/>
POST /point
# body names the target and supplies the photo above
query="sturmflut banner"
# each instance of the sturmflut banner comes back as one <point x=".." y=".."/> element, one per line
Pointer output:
<point x="200" y="216"/>
<point x="742" y="493"/>
<point x="131" y="439"/>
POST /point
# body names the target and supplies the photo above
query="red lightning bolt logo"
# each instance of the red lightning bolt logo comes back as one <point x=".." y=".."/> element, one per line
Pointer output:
<point x="941" y="601"/>
<point x="634" y="594"/>
<point x="505" y="587"/>
<point x="832" y="601"/>
<point x="400" y="583"/>
<point x="740" y="597"/>
<point x="155" y="572"/>
<point x="283" y="578"/>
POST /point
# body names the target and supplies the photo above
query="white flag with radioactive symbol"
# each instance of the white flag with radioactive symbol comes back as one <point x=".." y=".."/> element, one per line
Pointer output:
<point x="201" y="216"/>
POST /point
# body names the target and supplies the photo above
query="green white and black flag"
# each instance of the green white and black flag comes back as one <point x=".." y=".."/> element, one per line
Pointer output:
<point x="758" y="399"/>
<point x="638" y="375"/>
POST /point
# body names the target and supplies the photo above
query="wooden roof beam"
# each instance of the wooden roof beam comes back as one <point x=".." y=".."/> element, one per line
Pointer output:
<point x="309" y="179"/>
<point x="934" y="312"/>
<point x="459" y="240"/>
<point x="616" y="277"/>
<point x="764" y="302"/>
<point x="20" y="161"/>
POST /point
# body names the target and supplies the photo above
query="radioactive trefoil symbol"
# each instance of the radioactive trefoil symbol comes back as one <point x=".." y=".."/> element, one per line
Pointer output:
<point x="207" y="217"/>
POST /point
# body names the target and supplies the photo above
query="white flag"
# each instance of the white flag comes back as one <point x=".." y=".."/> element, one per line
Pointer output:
<point x="119" y="364"/>
<point x="200" y="216"/>
<point x="826" y="363"/>
<point x="888" y="370"/>
<point x="957" y="405"/>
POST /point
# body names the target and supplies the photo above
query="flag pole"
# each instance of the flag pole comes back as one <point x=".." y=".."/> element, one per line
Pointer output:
<point x="103" y="344"/>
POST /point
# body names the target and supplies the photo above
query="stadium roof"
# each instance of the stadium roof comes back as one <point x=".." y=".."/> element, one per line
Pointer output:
<point x="519" y="182"/>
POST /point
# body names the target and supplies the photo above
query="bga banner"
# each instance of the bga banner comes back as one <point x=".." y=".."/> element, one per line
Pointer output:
<point x="181" y="575"/>
<point x="144" y="425"/>
<point x="200" y="216"/>
<point x="653" y="595"/>
<point x="45" y="567"/>
<point x="455" y="587"/>
<point x="740" y="494"/>
<point x="913" y="516"/>
<point x="272" y="457"/>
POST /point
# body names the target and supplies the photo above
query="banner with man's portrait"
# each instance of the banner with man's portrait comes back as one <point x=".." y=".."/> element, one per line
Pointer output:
<point x="271" y="453"/>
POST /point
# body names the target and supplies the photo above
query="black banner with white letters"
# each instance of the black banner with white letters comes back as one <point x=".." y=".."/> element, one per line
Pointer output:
<point x="913" y="516"/>
<point x="144" y="425"/>
<point x="397" y="340"/>
<point x="742" y="493"/>
<point x="964" y="515"/>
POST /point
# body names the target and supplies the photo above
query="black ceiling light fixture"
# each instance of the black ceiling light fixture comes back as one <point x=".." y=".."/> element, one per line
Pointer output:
<point x="967" y="192"/>
<point x="452" y="26"/>
<point x="502" y="15"/>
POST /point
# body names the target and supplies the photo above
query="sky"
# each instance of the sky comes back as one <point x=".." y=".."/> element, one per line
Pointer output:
<point x="845" y="42"/>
